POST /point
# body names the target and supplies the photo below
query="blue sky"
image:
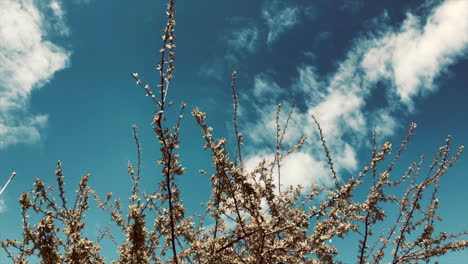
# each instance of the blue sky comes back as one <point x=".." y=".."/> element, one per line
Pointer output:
<point x="66" y="91"/>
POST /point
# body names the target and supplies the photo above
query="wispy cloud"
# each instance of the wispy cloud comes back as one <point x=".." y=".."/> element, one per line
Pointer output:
<point x="82" y="2"/>
<point x="58" y="18"/>
<point x="279" y="18"/>
<point x="247" y="35"/>
<point x="406" y="59"/>
<point x="241" y="39"/>
<point x="244" y="39"/>
<point x="262" y="100"/>
<point x="21" y="131"/>
<point x="265" y="88"/>
<point x="352" y="6"/>
<point x="2" y="206"/>
<point x="27" y="62"/>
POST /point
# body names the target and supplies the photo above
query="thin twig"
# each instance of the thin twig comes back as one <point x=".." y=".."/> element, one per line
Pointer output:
<point x="278" y="146"/>
<point x="137" y="142"/>
<point x="234" y="120"/>
<point x="327" y="152"/>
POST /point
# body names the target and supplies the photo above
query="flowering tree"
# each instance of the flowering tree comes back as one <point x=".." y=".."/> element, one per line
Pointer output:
<point x="248" y="219"/>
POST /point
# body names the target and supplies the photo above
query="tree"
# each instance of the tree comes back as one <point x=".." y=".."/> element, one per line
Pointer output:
<point x="247" y="219"/>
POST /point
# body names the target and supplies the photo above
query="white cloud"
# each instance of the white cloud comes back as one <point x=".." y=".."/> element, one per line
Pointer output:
<point x="302" y="169"/>
<point x="407" y="59"/>
<point x="413" y="56"/>
<point x="56" y="8"/>
<point x="385" y="123"/>
<point x="298" y="168"/>
<point x="279" y="18"/>
<point x="27" y="62"/>
<point x="336" y="103"/>
<point x="339" y="109"/>
<point x="346" y="159"/>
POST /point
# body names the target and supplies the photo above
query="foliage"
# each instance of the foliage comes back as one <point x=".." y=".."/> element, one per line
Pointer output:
<point x="247" y="219"/>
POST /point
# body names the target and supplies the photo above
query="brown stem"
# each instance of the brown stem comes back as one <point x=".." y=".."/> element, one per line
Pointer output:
<point x="364" y="242"/>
